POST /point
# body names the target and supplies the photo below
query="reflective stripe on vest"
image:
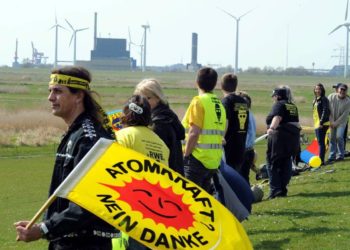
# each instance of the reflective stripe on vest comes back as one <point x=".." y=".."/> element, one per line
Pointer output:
<point x="210" y="132"/>
<point x="205" y="146"/>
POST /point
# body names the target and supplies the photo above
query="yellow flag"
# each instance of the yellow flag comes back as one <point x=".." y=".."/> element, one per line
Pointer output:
<point x="151" y="203"/>
<point x="114" y="119"/>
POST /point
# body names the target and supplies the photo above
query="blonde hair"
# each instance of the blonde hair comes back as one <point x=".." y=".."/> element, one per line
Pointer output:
<point x="150" y="87"/>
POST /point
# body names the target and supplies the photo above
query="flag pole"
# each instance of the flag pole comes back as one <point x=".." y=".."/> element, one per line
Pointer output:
<point x="49" y="201"/>
<point x="260" y="138"/>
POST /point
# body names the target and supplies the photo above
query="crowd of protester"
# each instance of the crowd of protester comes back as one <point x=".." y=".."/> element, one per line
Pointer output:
<point x="216" y="137"/>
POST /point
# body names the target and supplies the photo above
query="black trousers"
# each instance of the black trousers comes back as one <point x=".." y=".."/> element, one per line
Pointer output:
<point x="196" y="172"/>
<point x="247" y="164"/>
<point x="78" y="243"/>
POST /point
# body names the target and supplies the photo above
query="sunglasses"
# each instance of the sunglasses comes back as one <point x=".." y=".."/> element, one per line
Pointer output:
<point x="343" y="89"/>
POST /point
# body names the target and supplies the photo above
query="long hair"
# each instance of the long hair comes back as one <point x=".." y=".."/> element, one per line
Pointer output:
<point x="323" y="91"/>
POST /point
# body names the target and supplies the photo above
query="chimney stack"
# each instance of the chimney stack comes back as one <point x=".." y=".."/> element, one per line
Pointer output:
<point x="194" y="49"/>
<point x="95" y="31"/>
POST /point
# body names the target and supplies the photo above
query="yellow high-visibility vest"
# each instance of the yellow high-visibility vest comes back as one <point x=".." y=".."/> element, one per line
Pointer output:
<point x="209" y="146"/>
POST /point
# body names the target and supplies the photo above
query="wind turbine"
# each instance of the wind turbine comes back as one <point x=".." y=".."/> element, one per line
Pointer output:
<point x="145" y="27"/>
<point x="138" y="45"/>
<point x="56" y="26"/>
<point x="237" y="34"/>
<point x="347" y="26"/>
<point x="74" y="36"/>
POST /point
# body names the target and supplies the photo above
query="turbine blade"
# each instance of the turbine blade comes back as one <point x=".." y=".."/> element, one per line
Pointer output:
<point x="335" y="29"/>
<point x="71" y="39"/>
<point x="143" y="37"/>
<point x="346" y="11"/>
<point x="60" y="26"/>
<point x="69" y="24"/>
<point x="228" y="13"/>
<point x="81" y="29"/>
<point x="246" y="13"/>
<point x="129" y="34"/>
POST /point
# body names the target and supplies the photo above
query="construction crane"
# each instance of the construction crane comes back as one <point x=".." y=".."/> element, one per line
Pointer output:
<point x="37" y="57"/>
<point x="15" y="64"/>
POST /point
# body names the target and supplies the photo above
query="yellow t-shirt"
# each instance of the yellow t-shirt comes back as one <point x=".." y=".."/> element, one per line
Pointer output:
<point x="315" y="116"/>
<point x="196" y="112"/>
<point x="145" y="141"/>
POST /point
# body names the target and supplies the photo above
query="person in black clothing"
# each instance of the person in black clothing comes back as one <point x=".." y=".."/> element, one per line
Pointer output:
<point x="283" y="142"/>
<point x="165" y="122"/>
<point x="66" y="225"/>
<point x="321" y="118"/>
<point x="237" y="113"/>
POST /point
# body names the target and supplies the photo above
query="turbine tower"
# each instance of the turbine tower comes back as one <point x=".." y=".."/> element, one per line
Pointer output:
<point x="237" y="34"/>
<point x="347" y="26"/>
<point x="56" y="26"/>
<point x="145" y="27"/>
<point x="74" y="36"/>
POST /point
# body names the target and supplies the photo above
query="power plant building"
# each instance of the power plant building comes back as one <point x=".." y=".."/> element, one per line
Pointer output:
<point x="109" y="54"/>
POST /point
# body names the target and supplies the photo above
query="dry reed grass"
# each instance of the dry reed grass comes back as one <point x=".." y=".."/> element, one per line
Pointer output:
<point x="14" y="89"/>
<point x="299" y="99"/>
<point x="29" y="127"/>
<point x="38" y="136"/>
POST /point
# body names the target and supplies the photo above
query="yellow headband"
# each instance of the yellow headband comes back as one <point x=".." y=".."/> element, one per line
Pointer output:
<point x="69" y="81"/>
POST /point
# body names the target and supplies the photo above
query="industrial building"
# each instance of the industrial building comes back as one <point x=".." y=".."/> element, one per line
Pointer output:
<point x="109" y="54"/>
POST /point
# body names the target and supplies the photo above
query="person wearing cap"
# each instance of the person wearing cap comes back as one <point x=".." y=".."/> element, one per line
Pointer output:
<point x="321" y="118"/>
<point x="66" y="225"/>
<point x="282" y="126"/>
<point x="346" y="152"/>
<point x="339" y="104"/>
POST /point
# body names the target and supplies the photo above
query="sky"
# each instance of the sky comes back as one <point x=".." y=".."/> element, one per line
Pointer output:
<point x="276" y="33"/>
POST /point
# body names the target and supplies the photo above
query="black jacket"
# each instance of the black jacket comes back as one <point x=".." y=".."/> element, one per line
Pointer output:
<point x="322" y="109"/>
<point x="65" y="218"/>
<point x="284" y="142"/>
<point x="168" y="127"/>
<point x="237" y="114"/>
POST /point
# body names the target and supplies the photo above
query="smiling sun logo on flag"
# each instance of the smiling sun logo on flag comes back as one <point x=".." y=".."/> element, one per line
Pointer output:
<point x="164" y="207"/>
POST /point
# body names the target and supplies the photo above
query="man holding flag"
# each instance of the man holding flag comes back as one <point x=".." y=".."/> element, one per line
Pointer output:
<point x="66" y="225"/>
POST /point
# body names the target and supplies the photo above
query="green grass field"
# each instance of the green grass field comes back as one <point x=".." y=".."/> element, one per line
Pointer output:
<point x="315" y="215"/>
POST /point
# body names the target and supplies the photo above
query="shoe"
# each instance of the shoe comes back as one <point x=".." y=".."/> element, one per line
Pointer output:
<point x="340" y="159"/>
<point x="329" y="161"/>
<point x="279" y="193"/>
<point x="346" y="154"/>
